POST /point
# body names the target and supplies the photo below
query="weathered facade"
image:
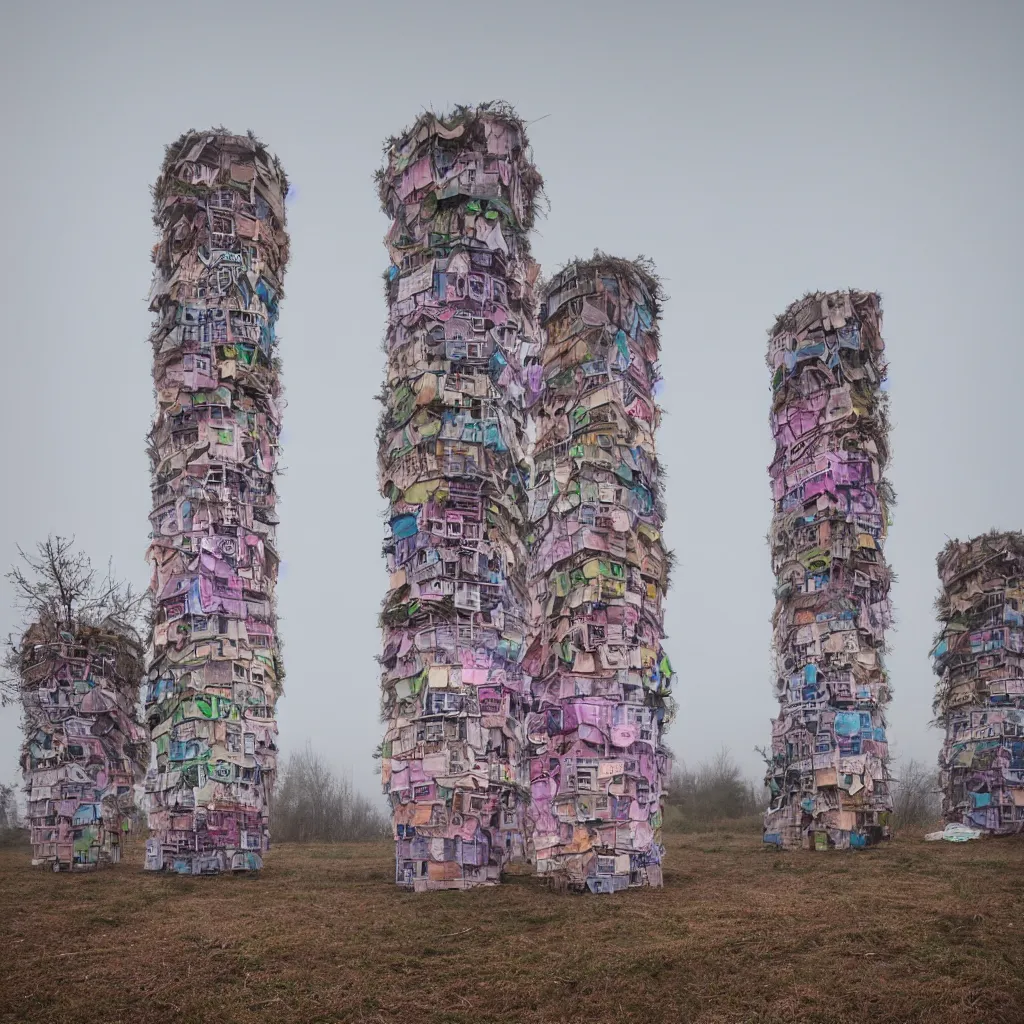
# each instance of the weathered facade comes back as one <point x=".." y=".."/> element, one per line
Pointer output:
<point x="214" y="671"/>
<point x="84" y="748"/>
<point x="460" y="192"/>
<point x="979" y="700"/>
<point x="827" y="769"/>
<point x="598" y="577"/>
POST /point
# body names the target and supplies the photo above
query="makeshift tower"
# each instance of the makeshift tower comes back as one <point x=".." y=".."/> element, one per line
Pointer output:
<point x="460" y="191"/>
<point x="828" y="770"/>
<point x="84" y="748"/>
<point x="598" y="576"/>
<point x="214" y="668"/>
<point x="979" y="701"/>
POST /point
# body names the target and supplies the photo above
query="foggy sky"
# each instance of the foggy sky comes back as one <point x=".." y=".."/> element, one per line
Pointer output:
<point x="754" y="151"/>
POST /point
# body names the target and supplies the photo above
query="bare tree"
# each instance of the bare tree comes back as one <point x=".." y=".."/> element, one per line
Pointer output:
<point x="312" y="804"/>
<point x="715" y="791"/>
<point x="58" y="590"/>
<point x="915" y="794"/>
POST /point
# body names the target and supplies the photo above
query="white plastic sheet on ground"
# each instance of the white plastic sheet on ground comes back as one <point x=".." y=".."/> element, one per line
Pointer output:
<point x="954" y="833"/>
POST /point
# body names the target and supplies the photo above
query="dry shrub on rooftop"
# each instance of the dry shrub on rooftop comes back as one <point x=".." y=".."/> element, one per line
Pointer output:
<point x="473" y="117"/>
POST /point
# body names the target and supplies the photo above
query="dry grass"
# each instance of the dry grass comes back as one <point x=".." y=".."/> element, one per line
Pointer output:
<point x="914" y="931"/>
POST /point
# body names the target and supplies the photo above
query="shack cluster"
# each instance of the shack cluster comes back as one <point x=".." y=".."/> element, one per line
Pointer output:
<point x="827" y="770"/>
<point x="524" y="683"/>
<point x="85" y="749"/>
<point x="213" y="671"/>
<point x="979" y="661"/>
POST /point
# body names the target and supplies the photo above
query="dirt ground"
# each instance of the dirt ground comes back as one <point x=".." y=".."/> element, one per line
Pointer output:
<point x="911" y="932"/>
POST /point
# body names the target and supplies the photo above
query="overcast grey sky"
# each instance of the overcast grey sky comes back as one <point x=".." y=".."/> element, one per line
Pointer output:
<point x="755" y="151"/>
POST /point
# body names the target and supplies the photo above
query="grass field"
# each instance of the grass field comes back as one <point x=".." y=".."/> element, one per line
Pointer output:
<point x="911" y="932"/>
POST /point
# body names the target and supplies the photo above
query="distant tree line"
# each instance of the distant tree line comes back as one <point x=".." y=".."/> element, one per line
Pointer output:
<point x="313" y="804"/>
<point x="916" y="800"/>
<point x="716" y="792"/>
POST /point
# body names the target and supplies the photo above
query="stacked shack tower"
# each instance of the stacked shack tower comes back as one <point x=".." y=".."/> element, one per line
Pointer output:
<point x="979" y="659"/>
<point x="599" y="572"/>
<point x="828" y="766"/>
<point x="84" y="748"/>
<point x="461" y="320"/>
<point x="214" y="668"/>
